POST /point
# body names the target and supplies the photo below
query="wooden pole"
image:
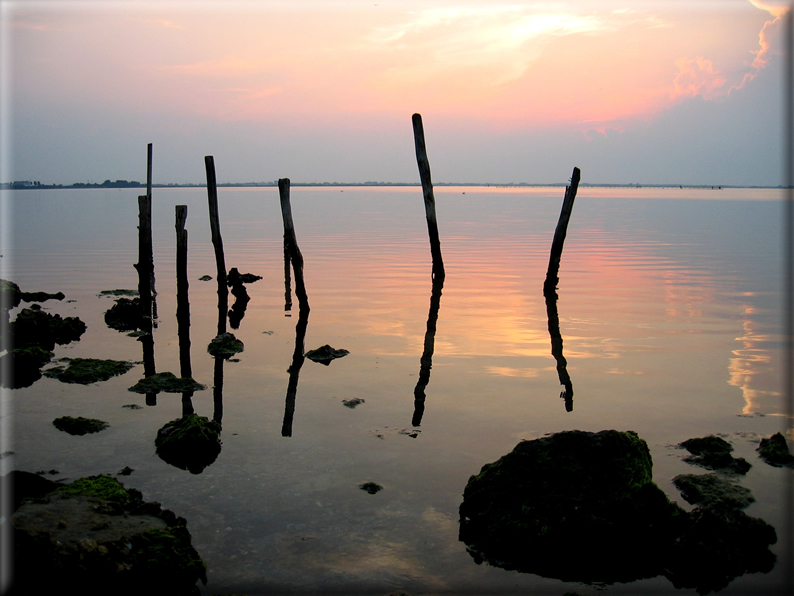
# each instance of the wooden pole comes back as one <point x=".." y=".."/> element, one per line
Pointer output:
<point x="145" y="260"/>
<point x="292" y="242"/>
<point x="217" y="243"/>
<point x="427" y="190"/>
<point x="287" y="280"/>
<point x="149" y="194"/>
<point x="550" y="285"/>
<point x="182" y="287"/>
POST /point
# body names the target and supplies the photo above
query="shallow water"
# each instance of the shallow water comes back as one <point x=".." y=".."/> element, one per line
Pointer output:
<point x="670" y="313"/>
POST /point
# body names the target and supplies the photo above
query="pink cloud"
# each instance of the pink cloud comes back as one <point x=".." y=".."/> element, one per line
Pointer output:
<point x="697" y="77"/>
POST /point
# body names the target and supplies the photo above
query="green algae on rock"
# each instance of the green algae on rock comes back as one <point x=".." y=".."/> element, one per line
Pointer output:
<point x="714" y="453"/>
<point x="225" y="345"/>
<point x="24" y="366"/>
<point x="79" y="426"/>
<point x="774" y="451"/>
<point x="166" y="382"/>
<point x="190" y="443"/>
<point x="205" y="278"/>
<point x="710" y="490"/>
<point x="85" y="371"/>
<point x="95" y="534"/>
<point x="582" y="506"/>
<point x="324" y="354"/>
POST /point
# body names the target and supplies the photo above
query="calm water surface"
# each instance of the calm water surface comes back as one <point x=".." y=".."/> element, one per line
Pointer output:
<point x="670" y="312"/>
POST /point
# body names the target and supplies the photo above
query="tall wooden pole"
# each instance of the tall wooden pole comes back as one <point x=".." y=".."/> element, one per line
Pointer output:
<point x="182" y="287"/>
<point x="292" y="243"/>
<point x="427" y="190"/>
<point x="550" y="285"/>
<point x="217" y="243"/>
<point x="149" y="194"/>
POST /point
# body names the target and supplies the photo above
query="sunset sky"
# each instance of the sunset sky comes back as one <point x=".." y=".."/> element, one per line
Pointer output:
<point x="631" y="91"/>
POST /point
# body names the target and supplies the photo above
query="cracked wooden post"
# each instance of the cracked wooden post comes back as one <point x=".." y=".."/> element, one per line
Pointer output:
<point x="427" y="191"/>
<point x="550" y="285"/>
<point x="217" y="243"/>
<point x="291" y="243"/>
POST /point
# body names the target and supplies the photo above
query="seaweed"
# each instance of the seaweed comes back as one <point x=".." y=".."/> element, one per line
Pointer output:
<point x="85" y="371"/>
<point x="166" y="382"/>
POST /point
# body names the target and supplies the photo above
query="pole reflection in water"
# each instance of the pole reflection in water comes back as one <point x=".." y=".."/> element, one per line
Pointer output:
<point x="294" y="371"/>
<point x="556" y="351"/>
<point x="287" y="279"/>
<point x="426" y="362"/>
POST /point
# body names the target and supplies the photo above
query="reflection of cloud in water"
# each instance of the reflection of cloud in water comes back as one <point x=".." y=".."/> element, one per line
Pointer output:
<point x="504" y="371"/>
<point x="366" y="559"/>
<point x="751" y="366"/>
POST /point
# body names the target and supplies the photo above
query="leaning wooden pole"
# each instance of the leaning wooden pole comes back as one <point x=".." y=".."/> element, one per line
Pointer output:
<point x="217" y="243"/>
<point x="427" y="190"/>
<point x="550" y="285"/>
<point x="144" y="264"/>
<point x="291" y="243"/>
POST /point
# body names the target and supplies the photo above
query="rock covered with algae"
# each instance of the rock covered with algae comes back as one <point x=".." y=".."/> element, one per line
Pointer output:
<point x="84" y="371"/>
<point x="190" y="443"/>
<point x="225" y="345"/>
<point x="714" y="453"/>
<point x="79" y="426"/>
<point x="34" y="327"/>
<point x="325" y="354"/>
<point x="774" y="451"/>
<point x="24" y="366"/>
<point x="582" y="506"/>
<point x="166" y="382"/>
<point x="105" y="539"/>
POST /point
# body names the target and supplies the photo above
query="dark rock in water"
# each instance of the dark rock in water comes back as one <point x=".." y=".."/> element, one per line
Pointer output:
<point x="325" y="354"/>
<point x="34" y="327"/>
<point x="132" y="407"/>
<point x="103" y="538"/>
<point x="225" y="345"/>
<point x="714" y="453"/>
<point x="125" y="471"/>
<point x="24" y="366"/>
<point x="205" y="278"/>
<point x="352" y="403"/>
<point x="576" y="505"/>
<point x="718" y="545"/>
<point x="774" y="451"/>
<point x="119" y="293"/>
<point x="249" y="278"/>
<point x="582" y="506"/>
<point x="125" y="315"/>
<point x="711" y="490"/>
<point x="190" y="443"/>
<point x="167" y="383"/>
<point x="370" y="487"/>
<point x="10" y="295"/>
<point x="25" y="485"/>
<point x="41" y="296"/>
<point x="85" y="371"/>
<point x="79" y="426"/>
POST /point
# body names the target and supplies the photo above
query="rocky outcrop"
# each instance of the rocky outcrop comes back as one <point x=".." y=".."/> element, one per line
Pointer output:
<point x="582" y="506"/>
<point x="96" y="535"/>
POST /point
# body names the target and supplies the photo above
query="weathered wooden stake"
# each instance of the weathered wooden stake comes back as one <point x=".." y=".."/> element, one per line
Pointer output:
<point x="149" y="194"/>
<point x="182" y="287"/>
<point x="550" y="285"/>
<point x="287" y="280"/>
<point x="292" y="242"/>
<point x="217" y="243"/>
<point x="144" y="263"/>
<point x="427" y="190"/>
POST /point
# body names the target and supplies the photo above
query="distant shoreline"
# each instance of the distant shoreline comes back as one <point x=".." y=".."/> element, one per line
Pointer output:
<point x="27" y="185"/>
